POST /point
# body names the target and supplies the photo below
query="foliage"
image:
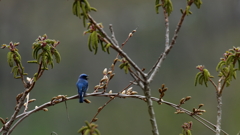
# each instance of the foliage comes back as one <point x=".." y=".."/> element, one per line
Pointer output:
<point x="90" y="129"/>
<point x="96" y="37"/>
<point x="81" y="8"/>
<point x="166" y="4"/>
<point x="227" y="66"/>
<point x="202" y="76"/>
<point x="14" y="58"/>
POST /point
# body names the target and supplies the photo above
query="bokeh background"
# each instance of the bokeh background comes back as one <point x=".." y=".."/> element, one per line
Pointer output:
<point x="203" y="39"/>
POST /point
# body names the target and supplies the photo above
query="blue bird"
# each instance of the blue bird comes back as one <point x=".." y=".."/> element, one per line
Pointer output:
<point x="82" y="85"/>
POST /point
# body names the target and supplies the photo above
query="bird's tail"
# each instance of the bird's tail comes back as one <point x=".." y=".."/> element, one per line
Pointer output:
<point x="80" y="99"/>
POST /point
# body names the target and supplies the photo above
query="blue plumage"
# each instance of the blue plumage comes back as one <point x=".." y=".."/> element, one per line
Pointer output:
<point x="82" y="85"/>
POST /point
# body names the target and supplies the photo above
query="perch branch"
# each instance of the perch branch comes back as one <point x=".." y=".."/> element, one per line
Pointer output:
<point x="99" y="94"/>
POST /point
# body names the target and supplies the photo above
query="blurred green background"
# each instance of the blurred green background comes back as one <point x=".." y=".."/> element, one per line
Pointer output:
<point x="203" y="38"/>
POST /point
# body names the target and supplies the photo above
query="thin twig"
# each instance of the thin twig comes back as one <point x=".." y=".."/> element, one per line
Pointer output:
<point x="111" y="98"/>
<point x="129" y="36"/>
<point x="137" y="76"/>
<point x="21" y="75"/>
<point x="26" y="104"/>
<point x="113" y="35"/>
<point x="213" y="83"/>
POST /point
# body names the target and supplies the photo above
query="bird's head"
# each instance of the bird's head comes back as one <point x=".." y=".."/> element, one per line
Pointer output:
<point x="83" y="76"/>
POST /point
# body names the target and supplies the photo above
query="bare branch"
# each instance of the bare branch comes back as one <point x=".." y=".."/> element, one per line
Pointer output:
<point x="213" y="83"/>
<point x="168" y="46"/>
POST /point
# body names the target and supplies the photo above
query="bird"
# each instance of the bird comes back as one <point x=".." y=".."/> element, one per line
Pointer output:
<point x="82" y="86"/>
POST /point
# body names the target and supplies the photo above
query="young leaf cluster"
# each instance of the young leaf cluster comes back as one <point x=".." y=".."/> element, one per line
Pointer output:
<point x="188" y="12"/>
<point x="167" y="5"/>
<point x="226" y="67"/>
<point x="157" y="5"/>
<point x="124" y="65"/>
<point x="81" y="8"/>
<point x="14" y="57"/>
<point x="187" y="127"/>
<point x="44" y="50"/>
<point x="198" y="3"/>
<point x="203" y="76"/>
<point x="95" y="37"/>
<point x="90" y="129"/>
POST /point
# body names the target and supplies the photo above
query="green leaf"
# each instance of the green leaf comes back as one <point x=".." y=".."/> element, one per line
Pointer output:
<point x="201" y="78"/>
<point x="82" y="129"/>
<point x="126" y="68"/>
<point x="122" y="65"/>
<point x="235" y="75"/>
<point x="32" y="61"/>
<point x="87" y="132"/>
<point x="230" y="59"/>
<point x="78" y="9"/>
<point x="107" y="47"/>
<point x="188" y="10"/>
<point x="97" y="132"/>
<point x="88" y="7"/>
<point x="188" y="132"/>
<point x="219" y="65"/>
<point x="88" y="124"/>
<point x="93" y="9"/>
<point x="15" y="71"/>
<point x="74" y="10"/>
<point x="157" y="5"/>
<point x="35" y="77"/>
<point x="103" y="46"/>
<point x="198" y="3"/>
<point x="206" y="75"/>
<point x="89" y="42"/>
<point x="84" y="11"/>
<point x="35" y="51"/>
<point x="57" y="56"/>
<point x="168" y="6"/>
<point x="10" y="58"/>
<point x="44" y="62"/>
<point x="94" y="41"/>
<point x="17" y="55"/>
<point x="197" y="77"/>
